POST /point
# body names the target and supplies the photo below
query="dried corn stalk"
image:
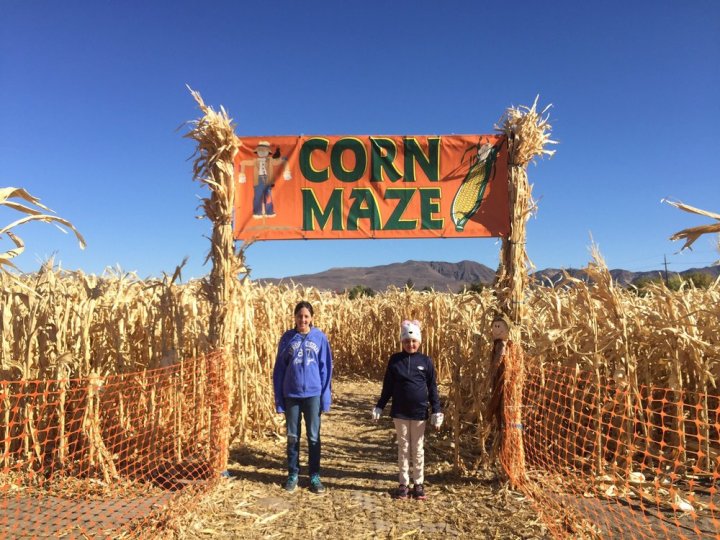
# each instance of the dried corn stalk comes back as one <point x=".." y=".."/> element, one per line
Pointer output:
<point x="33" y="214"/>
<point x="693" y="233"/>
<point x="213" y="167"/>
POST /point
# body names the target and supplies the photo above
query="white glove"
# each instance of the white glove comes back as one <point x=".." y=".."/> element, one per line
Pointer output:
<point x="242" y="178"/>
<point x="376" y="412"/>
<point x="436" y="420"/>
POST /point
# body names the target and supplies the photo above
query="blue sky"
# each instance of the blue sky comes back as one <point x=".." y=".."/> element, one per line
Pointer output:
<point x="92" y="94"/>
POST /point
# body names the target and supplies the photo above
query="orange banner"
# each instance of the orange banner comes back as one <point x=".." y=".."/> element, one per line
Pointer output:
<point x="371" y="187"/>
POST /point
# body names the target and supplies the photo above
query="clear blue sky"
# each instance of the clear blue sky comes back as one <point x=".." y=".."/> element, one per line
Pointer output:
<point x="92" y="94"/>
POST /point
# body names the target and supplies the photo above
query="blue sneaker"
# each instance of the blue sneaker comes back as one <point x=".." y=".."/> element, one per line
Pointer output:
<point x="316" y="485"/>
<point x="291" y="483"/>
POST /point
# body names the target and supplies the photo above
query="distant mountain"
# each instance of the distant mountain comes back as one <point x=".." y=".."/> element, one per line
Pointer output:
<point x="445" y="276"/>
<point x="550" y="276"/>
<point x="441" y="276"/>
<point x="622" y="277"/>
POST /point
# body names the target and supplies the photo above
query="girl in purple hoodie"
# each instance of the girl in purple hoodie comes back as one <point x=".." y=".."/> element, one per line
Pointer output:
<point x="302" y="384"/>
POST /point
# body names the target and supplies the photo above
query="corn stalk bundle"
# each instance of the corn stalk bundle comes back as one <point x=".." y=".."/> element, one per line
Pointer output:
<point x="528" y="134"/>
<point x="213" y="167"/>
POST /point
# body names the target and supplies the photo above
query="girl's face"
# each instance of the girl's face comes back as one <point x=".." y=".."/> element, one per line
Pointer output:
<point x="303" y="320"/>
<point x="410" y="345"/>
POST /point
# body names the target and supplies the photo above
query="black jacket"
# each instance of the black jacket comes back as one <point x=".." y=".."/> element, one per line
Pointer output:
<point x="411" y="384"/>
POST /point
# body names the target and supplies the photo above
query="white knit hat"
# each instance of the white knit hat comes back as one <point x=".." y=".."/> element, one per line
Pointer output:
<point x="410" y="330"/>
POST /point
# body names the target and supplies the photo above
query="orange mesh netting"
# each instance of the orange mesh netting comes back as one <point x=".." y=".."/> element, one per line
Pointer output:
<point x="102" y="457"/>
<point x="605" y="460"/>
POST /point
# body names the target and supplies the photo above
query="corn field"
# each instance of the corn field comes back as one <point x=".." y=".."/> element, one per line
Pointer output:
<point x="56" y="322"/>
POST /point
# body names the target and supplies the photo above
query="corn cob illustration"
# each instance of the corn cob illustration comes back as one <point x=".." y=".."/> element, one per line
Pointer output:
<point x="470" y="193"/>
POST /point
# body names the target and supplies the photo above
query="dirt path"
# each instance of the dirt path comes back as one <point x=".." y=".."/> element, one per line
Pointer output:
<point x="359" y="468"/>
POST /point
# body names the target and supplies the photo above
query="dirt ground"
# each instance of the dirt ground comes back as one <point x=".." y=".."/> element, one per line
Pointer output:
<point x="359" y="468"/>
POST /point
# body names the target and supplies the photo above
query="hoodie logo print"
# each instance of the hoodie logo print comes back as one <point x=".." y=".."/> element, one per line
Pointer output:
<point x="299" y="352"/>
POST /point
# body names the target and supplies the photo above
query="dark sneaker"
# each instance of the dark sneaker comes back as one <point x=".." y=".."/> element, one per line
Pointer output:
<point x="291" y="483"/>
<point x="402" y="492"/>
<point x="316" y="486"/>
<point x="419" y="492"/>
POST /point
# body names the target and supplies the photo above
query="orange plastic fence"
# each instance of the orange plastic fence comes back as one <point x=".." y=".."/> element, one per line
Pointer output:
<point x="603" y="460"/>
<point x="103" y="457"/>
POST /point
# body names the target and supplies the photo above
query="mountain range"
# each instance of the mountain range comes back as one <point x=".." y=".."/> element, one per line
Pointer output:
<point x="445" y="276"/>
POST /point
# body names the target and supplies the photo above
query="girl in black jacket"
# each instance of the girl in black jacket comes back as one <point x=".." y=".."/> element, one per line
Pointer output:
<point x="411" y="384"/>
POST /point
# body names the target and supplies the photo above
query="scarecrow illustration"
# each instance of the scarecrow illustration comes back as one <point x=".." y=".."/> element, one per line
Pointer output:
<point x="265" y="168"/>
